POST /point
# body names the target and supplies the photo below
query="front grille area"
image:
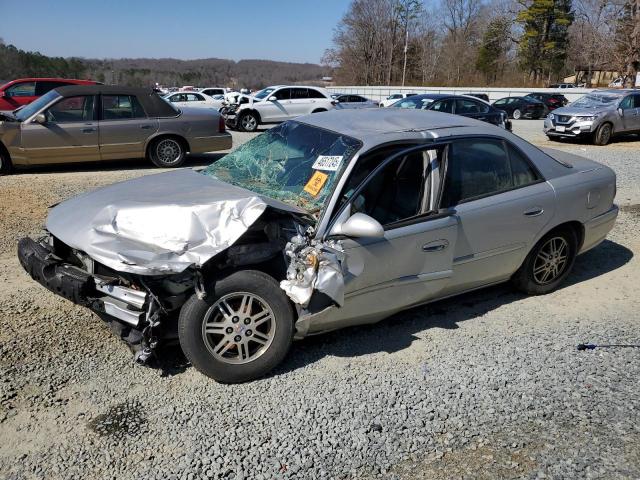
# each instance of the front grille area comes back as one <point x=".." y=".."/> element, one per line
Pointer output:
<point x="563" y="118"/>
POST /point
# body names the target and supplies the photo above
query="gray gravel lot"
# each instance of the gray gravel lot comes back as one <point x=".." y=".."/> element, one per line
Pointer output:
<point x="487" y="385"/>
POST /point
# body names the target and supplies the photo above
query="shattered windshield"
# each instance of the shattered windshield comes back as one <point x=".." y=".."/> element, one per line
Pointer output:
<point x="595" y="101"/>
<point x="295" y="163"/>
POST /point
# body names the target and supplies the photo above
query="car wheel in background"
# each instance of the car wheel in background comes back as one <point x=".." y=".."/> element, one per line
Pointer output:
<point x="248" y="122"/>
<point x="5" y="163"/>
<point x="549" y="263"/>
<point x="167" y="152"/>
<point x="603" y="134"/>
<point x="240" y="331"/>
<point x="517" y="114"/>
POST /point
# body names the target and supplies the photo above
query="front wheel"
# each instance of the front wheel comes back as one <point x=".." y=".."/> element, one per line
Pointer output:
<point x="248" y="122"/>
<point x="548" y="264"/>
<point x="517" y="114"/>
<point x="167" y="152"/>
<point x="603" y="134"/>
<point x="240" y="331"/>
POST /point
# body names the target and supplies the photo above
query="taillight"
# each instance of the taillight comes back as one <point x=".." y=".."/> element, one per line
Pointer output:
<point x="222" y="128"/>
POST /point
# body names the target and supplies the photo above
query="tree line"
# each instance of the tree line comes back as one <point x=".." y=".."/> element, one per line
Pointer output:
<point x="483" y="42"/>
<point x="16" y="63"/>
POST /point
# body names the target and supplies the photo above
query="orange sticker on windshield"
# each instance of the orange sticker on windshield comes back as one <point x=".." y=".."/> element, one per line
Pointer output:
<point x="315" y="183"/>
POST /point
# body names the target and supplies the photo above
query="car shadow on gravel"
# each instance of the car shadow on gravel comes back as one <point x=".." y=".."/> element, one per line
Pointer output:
<point x="192" y="161"/>
<point x="618" y="139"/>
<point x="400" y="331"/>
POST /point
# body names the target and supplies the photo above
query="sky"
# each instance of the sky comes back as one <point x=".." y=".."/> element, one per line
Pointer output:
<point x="287" y="30"/>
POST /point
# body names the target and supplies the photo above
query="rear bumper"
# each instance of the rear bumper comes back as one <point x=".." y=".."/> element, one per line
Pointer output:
<point x="221" y="141"/>
<point x="79" y="286"/>
<point x="597" y="229"/>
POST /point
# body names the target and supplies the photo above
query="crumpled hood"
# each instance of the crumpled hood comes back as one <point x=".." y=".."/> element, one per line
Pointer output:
<point x="580" y="111"/>
<point x="158" y="224"/>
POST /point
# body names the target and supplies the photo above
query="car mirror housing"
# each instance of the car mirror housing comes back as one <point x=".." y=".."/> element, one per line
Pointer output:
<point x="40" y="118"/>
<point x="359" y="225"/>
<point x="272" y="99"/>
<point x="621" y="111"/>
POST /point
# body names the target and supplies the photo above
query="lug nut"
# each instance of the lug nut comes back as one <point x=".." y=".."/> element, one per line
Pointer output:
<point x="247" y="321"/>
<point x="229" y="330"/>
<point x="235" y="319"/>
<point x="249" y="333"/>
<point x="237" y="338"/>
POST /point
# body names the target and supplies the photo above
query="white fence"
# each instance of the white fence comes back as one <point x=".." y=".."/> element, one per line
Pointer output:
<point x="380" y="93"/>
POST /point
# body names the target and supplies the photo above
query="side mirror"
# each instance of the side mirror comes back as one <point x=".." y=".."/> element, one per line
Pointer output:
<point x="359" y="225"/>
<point x="273" y="99"/>
<point x="620" y="111"/>
<point x="40" y="118"/>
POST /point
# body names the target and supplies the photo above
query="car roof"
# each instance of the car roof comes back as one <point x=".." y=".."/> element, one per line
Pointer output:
<point x="365" y="124"/>
<point x="153" y="104"/>
<point x="49" y="79"/>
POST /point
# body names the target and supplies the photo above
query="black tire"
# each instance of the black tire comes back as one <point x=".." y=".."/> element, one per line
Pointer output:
<point x="5" y="164"/>
<point x="517" y="114"/>
<point x="318" y="110"/>
<point x="603" y="134"/>
<point x="193" y="316"/>
<point x="528" y="282"/>
<point x="167" y="152"/>
<point x="248" y="122"/>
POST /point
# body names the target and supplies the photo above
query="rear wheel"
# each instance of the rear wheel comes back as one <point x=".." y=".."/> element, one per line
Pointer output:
<point x="248" y="122"/>
<point x="240" y="331"/>
<point x="167" y="152"/>
<point x="603" y="134"/>
<point x="5" y="163"/>
<point x="548" y="264"/>
<point x="517" y="114"/>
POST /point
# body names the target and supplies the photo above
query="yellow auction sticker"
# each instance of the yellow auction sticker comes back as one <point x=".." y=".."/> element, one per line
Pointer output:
<point x="315" y="183"/>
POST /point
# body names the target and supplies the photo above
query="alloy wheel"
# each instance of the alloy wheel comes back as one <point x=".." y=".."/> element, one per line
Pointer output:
<point x="551" y="261"/>
<point x="517" y="114"/>
<point x="249" y="123"/>
<point x="238" y="328"/>
<point x="605" y="135"/>
<point x="168" y="151"/>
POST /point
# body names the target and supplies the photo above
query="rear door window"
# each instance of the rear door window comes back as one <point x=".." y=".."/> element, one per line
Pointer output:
<point x="299" y="94"/>
<point x="445" y="106"/>
<point x="119" y="107"/>
<point x="470" y="107"/>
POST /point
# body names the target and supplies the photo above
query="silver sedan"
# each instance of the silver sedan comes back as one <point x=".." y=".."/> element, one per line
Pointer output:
<point x="99" y="122"/>
<point x="334" y="219"/>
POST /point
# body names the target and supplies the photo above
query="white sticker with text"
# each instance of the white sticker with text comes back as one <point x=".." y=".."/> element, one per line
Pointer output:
<point x="328" y="163"/>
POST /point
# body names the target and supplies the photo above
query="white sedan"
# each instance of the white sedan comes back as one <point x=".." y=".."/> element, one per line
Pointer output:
<point x="194" y="99"/>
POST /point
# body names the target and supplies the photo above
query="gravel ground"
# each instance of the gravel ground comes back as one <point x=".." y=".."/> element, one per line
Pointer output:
<point x="487" y="385"/>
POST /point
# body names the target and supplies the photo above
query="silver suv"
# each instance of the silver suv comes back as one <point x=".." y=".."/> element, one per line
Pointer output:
<point x="274" y="105"/>
<point x="598" y="115"/>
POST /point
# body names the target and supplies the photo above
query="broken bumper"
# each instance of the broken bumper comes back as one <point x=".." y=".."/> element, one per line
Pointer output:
<point x="79" y="286"/>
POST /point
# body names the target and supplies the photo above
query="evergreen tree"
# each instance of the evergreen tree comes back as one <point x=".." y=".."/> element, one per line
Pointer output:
<point x="495" y="43"/>
<point x="544" y="42"/>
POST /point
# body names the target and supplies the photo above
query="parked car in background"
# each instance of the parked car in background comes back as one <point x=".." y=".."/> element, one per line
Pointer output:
<point x="23" y="91"/>
<point x="550" y="100"/>
<point x="193" y="99"/>
<point x="88" y="123"/>
<point x="350" y="100"/>
<point x="320" y="223"/>
<point x="213" y="91"/>
<point x="393" y="98"/>
<point x="458" y="105"/>
<point x="521" y="107"/>
<point x="562" y="85"/>
<point x="481" y="96"/>
<point x="598" y="116"/>
<point x="274" y="105"/>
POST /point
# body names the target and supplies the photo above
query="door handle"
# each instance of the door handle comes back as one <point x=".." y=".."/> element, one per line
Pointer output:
<point x="145" y="127"/>
<point x="435" y="246"/>
<point x="534" y="212"/>
<point x="88" y="130"/>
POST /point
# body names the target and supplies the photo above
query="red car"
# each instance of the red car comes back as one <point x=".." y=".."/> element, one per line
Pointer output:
<point x="23" y="91"/>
